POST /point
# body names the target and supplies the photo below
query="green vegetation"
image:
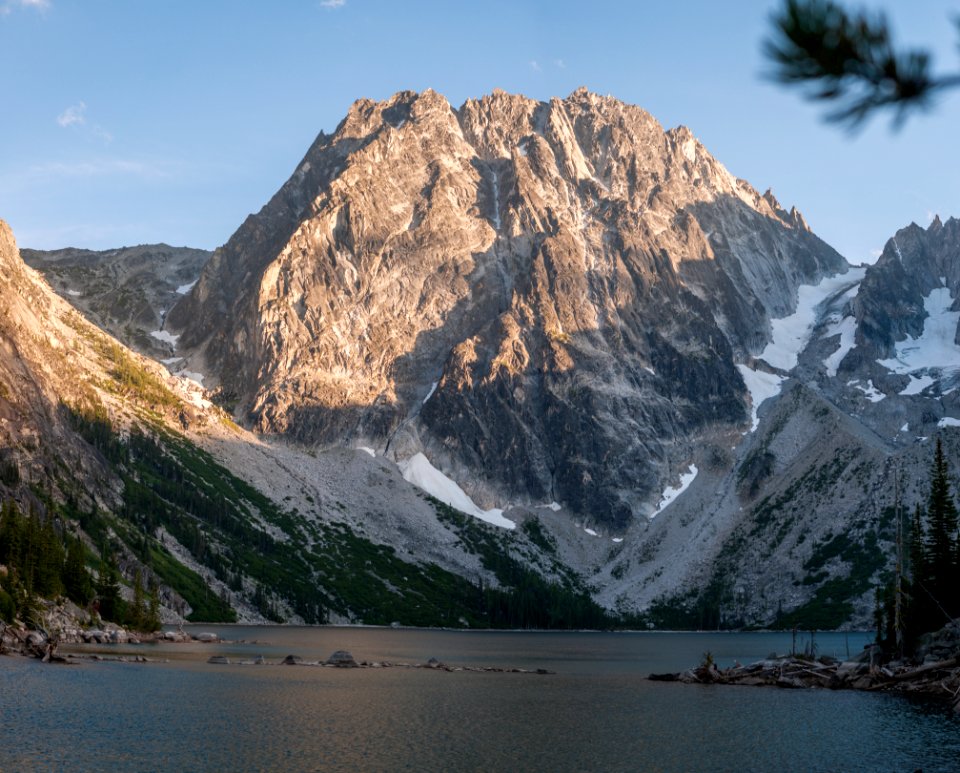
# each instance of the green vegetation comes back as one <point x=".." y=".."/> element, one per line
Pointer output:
<point x="525" y="599"/>
<point x="930" y="582"/>
<point x="289" y="562"/>
<point x="38" y="564"/>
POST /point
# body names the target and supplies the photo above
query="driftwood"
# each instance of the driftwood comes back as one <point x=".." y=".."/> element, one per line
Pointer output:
<point x="916" y="673"/>
<point x="939" y="678"/>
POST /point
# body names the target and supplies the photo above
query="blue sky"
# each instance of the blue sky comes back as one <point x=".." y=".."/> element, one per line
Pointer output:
<point x="127" y="121"/>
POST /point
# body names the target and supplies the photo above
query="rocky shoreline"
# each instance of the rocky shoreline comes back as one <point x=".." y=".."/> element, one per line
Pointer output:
<point x="934" y="672"/>
<point x="18" y="639"/>
<point x="343" y="659"/>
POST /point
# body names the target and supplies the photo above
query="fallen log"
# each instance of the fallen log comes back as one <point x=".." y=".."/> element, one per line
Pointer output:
<point x="915" y="673"/>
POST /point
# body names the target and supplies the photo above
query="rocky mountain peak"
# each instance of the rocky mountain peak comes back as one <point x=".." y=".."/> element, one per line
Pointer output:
<point x="547" y="299"/>
<point x="895" y="297"/>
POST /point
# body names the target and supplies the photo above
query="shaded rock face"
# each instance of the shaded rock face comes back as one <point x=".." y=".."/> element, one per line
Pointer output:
<point x="548" y="298"/>
<point x="127" y="291"/>
<point x="890" y="304"/>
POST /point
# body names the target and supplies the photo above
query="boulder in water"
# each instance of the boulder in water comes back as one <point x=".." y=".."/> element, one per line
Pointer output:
<point x="341" y="659"/>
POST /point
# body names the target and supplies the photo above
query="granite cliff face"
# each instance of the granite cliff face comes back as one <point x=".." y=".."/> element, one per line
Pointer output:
<point x="39" y="369"/>
<point x="547" y="299"/>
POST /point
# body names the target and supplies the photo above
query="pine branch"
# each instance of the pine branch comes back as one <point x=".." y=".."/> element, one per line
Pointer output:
<point x="850" y="59"/>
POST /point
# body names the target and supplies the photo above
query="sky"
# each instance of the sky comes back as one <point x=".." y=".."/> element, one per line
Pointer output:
<point x="129" y="122"/>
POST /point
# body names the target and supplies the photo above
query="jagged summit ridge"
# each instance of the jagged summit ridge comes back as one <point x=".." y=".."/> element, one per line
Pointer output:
<point x="569" y="284"/>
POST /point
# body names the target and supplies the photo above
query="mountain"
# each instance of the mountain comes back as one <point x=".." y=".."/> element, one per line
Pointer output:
<point x="662" y="392"/>
<point x="546" y="301"/>
<point x="127" y="291"/>
<point x="110" y="447"/>
<point x="797" y="524"/>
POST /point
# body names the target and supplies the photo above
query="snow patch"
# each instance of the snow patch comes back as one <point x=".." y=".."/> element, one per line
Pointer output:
<point x="896" y="248"/>
<point x="591" y="532"/>
<point x="418" y="471"/>
<point x="496" y="201"/>
<point x="617" y="539"/>
<point x="193" y="376"/>
<point x="948" y="421"/>
<point x="184" y="289"/>
<point x="671" y="493"/>
<point x="790" y="334"/>
<point x="906" y="426"/>
<point x="74" y="293"/>
<point x="935" y="348"/>
<point x="761" y="386"/>
<point x="171" y="360"/>
<point x="873" y="394"/>
<point x="163" y="335"/>
<point x="918" y="384"/>
<point x="367" y="450"/>
<point x="847" y="329"/>
<point x="433" y="388"/>
<point x="651" y="371"/>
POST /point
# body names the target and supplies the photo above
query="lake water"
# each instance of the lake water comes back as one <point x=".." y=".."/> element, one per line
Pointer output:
<point x="597" y="713"/>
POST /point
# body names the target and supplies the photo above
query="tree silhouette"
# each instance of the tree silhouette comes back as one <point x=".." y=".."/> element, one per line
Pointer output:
<point x="849" y="59"/>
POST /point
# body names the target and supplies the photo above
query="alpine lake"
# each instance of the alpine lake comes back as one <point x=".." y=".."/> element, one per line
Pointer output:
<point x="597" y="711"/>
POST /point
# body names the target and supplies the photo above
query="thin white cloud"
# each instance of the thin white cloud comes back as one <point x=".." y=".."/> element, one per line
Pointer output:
<point x="101" y="167"/>
<point x="332" y="4"/>
<point x="75" y="115"/>
<point x="8" y="6"/>
<point x="55" y="172"/>
<point x="560" y="63"/>
<point x="535" y="66"/>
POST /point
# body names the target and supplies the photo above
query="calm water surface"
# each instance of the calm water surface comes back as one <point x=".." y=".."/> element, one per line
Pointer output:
<point x="598" y="713"/>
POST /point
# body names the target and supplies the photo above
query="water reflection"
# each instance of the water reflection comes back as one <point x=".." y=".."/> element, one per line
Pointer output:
<point x="597" y="713"/>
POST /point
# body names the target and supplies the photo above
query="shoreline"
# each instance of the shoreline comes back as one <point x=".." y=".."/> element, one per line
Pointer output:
<point x="935" y="673"/>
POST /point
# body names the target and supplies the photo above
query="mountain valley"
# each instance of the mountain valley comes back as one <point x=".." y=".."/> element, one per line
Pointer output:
<point x="515" y="363"/>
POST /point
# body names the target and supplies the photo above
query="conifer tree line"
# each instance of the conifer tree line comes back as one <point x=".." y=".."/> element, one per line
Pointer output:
<point x="930" y="584"/>
<point x="40" y="561"/>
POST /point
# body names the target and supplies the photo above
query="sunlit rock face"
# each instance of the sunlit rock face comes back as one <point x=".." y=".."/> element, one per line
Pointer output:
<point x="547" y="299"/>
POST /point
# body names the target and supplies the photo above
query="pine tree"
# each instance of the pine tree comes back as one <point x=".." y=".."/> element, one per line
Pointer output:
<point x="917" y="610"/>
<point x="941" y="548"/>
<point x="49" y="562"/>
<point x="152" y="622"/>
<point x="76" y="578"/>
<point x="108" y="589"/>
<point x="138" y="613"/>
